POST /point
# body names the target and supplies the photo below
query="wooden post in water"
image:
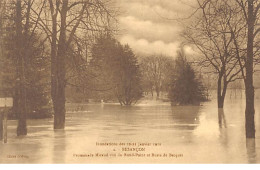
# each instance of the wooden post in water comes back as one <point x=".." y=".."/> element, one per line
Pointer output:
<point x="1" y="125"/>
<point x="5" y="103"/>
<point x="5" y="125"/>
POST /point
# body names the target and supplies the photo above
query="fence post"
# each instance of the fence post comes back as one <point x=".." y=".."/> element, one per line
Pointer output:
<point x="1" y="125"/>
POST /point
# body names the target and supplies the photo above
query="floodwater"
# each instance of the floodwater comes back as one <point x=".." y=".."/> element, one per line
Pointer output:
<point x="180" y="134"/>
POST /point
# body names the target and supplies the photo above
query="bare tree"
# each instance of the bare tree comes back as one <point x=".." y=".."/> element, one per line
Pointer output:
<point x="23" y="40"/>
<point x="156" y="70"/>
<point x="242" y="24"/>
<point x="250" y="12"/>
<point x="69" y="21"/>
<point x="212" y="38"/>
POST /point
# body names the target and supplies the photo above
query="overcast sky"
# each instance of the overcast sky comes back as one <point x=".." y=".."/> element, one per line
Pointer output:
<point x="148" y="26"/>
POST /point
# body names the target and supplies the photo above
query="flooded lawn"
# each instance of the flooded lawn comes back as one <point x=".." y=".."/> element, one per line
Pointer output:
<point x="197" y="134"/>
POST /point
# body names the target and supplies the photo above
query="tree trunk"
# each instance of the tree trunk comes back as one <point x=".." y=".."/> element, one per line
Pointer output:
<point x="54" y="62"/>
<point x="157" y="92"/>
<point x="59" y="81"/>
<point x="221" y="118"/>
<point x="222" y="92"/>
<point x="219" y="92"/>
<point x="59" y="109"/>
<point x="58" y="86"/>
<point x="249" y="88"/>
<point x="220" y="102"/>
<point x="22" y="127"/>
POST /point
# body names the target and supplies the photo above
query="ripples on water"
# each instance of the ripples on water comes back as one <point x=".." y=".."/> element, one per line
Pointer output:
<point x="203" y="134"/>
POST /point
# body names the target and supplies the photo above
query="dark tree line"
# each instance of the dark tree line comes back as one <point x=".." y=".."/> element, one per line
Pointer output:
<point x="24" y="65"/>
<point x="36" y="72"/>
<point x="39" y="37"/>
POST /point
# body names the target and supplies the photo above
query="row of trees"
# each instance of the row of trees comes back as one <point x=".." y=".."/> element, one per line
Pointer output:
<point x="52" y="38"/>
<point x="117" y="75"/>
<point x="226" y="34"/>
<point x="47" y="45"/>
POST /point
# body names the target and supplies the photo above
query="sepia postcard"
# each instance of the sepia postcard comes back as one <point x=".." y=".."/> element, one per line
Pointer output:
<point x="129" y="82"/>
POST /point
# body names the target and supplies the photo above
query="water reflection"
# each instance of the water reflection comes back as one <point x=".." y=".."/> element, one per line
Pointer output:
<point x="187" y="117"/>
<point x="223" y="138"/>
<point x="251" y="150"/>
<point x="59" y="146"/>
<point x="221" y="119"/>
